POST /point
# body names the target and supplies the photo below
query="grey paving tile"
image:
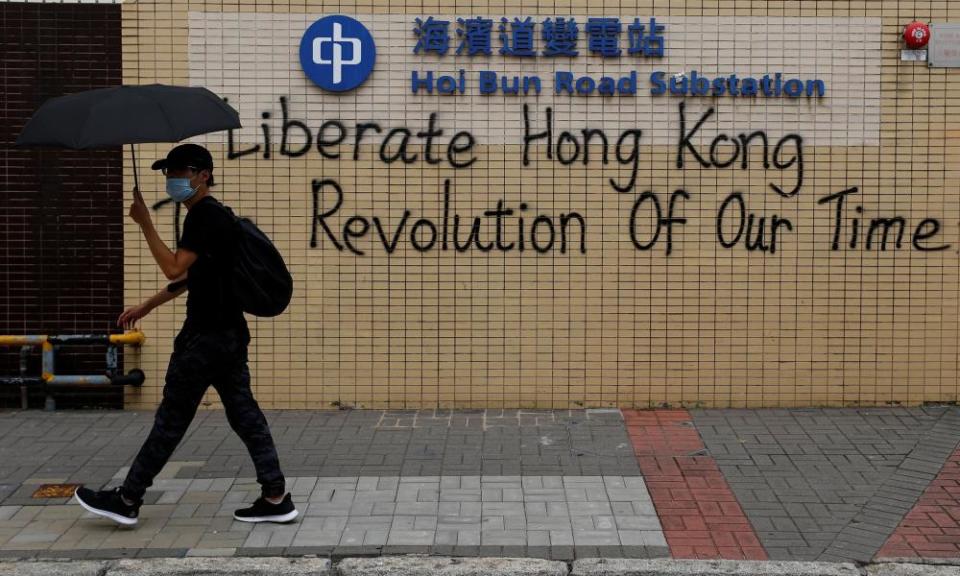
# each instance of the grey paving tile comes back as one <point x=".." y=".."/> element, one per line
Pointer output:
<point x="372" y="465"/>
<point x="257" y="551"/>
<point x="830" y="476"/>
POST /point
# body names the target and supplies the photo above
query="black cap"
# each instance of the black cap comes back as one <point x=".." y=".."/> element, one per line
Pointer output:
<point x="186" y="155"/>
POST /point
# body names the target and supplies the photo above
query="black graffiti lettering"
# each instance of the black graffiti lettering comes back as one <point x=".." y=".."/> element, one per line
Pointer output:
<point x="671" y="220"/>
<point x="685" y="137"/>
<point x="318" y="185"/>
<point x="886" y="224"/>
<point x="285" y="133"/>
<point x="427" y="233"/>
<point x="721" y="219"/>
<point x="745" y="140"/>
<point x="588" y="134"/>
<point x="740" y="149"/>
<point x="520" y="235"/>
<point x="797" y="158"/>
<point x="777" y="224"/>
<point x="391" y="245"/>
<point x="453" y="149"/>
<point x="232" y="153"/>
<point x="265" y="127"/>
<point x="394" y="143"/>
<point x="446" y="212"/>
<point x="566" y="136"/>
<point x="161" y="203"/>
<point x="401" y="152"/>
<point x="499" y="213"/>
<point x="882" y="232"/>
<point x="473" y="238"/>
<point x="750" y="227"/>
<point x="567" y="148"/>
<point x="429" y="134"/>
<point x="658" y="216"/>
<point x="855" y="228"/>
<point x="533" y="234"/>
<point x="528" y="137"/>
<point x="414" y="237"/>
<point x="633" y="159"/>
<point x="349" y="232"/>
<point x="839" y="198"/>
<point x="564" y="221"/>
<point x="714" y="149"/>
<point x="361" y="130"/>
<point x="660" y="221"/>
<point x="756" y="240"/>
<point x="919" y="235"/>
<point x="735" y="223"/>
<point x="323" y="143"/>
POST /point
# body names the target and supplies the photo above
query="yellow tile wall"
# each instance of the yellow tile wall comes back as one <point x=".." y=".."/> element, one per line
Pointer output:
<point x="704" y="326"/>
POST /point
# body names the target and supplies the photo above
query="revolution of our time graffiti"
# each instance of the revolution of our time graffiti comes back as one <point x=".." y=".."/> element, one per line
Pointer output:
<point x="655" y="218"/>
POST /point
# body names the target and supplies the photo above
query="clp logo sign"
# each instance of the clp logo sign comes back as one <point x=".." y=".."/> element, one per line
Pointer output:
<point x="337" y="53"/>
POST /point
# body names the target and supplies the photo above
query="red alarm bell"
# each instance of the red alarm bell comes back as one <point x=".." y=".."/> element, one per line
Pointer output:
<point x="916" y="35"/>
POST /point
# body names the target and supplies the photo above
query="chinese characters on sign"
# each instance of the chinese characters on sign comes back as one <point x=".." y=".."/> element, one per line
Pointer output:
<point x="559" y="35"/>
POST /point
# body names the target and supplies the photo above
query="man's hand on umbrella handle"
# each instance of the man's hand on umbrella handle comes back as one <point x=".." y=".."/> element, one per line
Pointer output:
<point x="138" y="210"/>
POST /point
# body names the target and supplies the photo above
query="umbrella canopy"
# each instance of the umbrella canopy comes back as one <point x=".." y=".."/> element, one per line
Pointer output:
<point x="127" y="115"/>
<point x="120" y="115"/>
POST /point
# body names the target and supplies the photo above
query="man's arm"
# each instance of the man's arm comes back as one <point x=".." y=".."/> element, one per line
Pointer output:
<point x="130" y="316"/>
<point x="164" y="296"/>
<point x="172" y="264"/>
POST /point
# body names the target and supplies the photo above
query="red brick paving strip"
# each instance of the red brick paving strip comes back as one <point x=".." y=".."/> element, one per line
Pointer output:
<point x="932" y="528"/>
<point x="700" y="515"/>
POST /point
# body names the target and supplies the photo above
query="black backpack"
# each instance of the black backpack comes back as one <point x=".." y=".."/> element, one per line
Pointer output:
<point x="260" y="279"/>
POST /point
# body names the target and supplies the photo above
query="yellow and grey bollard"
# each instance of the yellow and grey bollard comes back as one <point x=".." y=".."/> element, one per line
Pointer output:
<point x="50" y="379"/>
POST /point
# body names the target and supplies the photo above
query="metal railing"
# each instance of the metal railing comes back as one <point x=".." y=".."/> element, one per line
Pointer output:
<point x="49" y="379"/>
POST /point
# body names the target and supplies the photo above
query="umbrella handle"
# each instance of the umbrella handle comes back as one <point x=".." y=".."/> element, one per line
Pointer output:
<point x="136" y="179"/>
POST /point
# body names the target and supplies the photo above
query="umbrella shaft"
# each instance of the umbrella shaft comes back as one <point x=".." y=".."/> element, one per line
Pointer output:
<point x="136" y="179"/>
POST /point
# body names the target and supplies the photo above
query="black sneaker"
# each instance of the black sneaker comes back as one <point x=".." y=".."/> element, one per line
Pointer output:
<point x="109" y="504"/>
<point x="263" y="511"/>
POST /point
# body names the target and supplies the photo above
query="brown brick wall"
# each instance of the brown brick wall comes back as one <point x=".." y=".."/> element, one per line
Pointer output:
<point x="61" y="230"/>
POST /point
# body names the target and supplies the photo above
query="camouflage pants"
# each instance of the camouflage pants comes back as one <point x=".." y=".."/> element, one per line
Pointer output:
<point x="200" y="359"/>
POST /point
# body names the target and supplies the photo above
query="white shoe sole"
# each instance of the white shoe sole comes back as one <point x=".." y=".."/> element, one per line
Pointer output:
<point x="289" y="516"/>
<point x="106" y="514"/>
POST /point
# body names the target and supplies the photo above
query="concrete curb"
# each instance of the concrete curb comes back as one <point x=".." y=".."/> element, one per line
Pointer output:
<point x="48" y="568"/>
<point x="217" y="566"/>
<point x="935" y="561"/>
<point x="665" y="567"/>
<point x="442" y="566"/>
<point x="901" y="569"/>
<point x="437" y="566"/>
<point x="172" y="567"/>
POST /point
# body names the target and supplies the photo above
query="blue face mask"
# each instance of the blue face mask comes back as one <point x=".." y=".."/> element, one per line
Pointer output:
<point x="179" y="189"/>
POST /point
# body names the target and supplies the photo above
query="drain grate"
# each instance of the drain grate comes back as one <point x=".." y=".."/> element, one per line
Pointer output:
<point x="55" y="491"/>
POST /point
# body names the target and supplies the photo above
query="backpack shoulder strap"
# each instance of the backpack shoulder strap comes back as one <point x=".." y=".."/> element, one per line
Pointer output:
<point x="221" y="206"/>
<point x="235" y="220"/>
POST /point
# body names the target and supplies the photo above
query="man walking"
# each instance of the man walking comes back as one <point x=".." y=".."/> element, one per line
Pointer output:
<point x="211" y="348"/>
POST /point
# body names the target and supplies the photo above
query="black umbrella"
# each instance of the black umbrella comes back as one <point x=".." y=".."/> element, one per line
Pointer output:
<point x="127" y="115"/>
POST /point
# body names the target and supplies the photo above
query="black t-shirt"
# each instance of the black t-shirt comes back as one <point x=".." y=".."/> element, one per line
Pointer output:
<point x="208" y="232"/>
